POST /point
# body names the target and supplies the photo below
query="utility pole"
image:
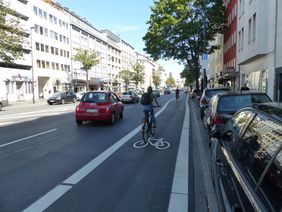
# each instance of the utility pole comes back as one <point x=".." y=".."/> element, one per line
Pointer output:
<point x="32" y="68"/>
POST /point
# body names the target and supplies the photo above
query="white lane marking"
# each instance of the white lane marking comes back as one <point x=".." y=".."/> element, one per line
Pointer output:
<point x="48" y="199"/>
<point x="22" y="139"/>
<point x="179" y="192"/>
<point x="4" y="123"/>
<point x="44" y="202"/>
<point x="36" y="113"/>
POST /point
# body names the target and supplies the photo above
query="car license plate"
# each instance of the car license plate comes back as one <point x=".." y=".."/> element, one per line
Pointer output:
<point x="92" y="110"/>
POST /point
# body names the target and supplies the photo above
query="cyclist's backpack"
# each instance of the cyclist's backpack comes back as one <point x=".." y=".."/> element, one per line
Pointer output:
<point x="145" y="99"/>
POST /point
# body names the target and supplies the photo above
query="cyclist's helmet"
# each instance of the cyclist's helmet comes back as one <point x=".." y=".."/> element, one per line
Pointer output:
<point x="149" y="89"/>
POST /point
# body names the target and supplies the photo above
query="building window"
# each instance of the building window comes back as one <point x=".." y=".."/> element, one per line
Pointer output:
<point x="38" y="63"/>
<point x="35" y="10"/>
<point x="47" y="48"/>
<point x="46" y="32"/>
<point x="250" y="31"/>
<point x="41" y="30"/>
<point x="42" y="47"/>
<point x="254" y="27"/>
<point x="52" y="50"/>
<point x="37" y="46"/>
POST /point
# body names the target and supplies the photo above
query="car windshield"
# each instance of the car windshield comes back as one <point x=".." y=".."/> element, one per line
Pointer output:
<point x="234" y="103"/>
<point x="94" y="97"/>
<point x="210" y="93"/>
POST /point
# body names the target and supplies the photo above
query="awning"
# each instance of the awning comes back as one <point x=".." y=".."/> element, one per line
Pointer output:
<point x="78" y="82"/>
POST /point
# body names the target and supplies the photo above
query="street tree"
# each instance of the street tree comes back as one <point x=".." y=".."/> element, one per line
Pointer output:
<point x="188" y="75"/>
<point x="126" y="76"/>
<point x="156" y="76"/>
<point x="182" y="30"/>
<point x="11" y="35"/>
<point x="138" y="74"/>
<point x="88" y="60"/>
<point x="170" y="82"/>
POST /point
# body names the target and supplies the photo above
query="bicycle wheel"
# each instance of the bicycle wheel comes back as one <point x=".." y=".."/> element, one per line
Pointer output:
<point x="162" y="145"/>
<point x="146" y="135"/>
<point x="140" y="144"/>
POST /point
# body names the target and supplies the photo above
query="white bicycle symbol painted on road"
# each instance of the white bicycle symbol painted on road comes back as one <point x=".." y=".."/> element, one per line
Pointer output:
<point x="158" y="143"/>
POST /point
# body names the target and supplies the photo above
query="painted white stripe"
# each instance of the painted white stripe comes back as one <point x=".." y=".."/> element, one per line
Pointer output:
<point x="44" y="202"/>
<point x="22" y="139"/>
<point x="4" y="123"/>
<point x="179" y="192"/>
<point x="48" y="199"/>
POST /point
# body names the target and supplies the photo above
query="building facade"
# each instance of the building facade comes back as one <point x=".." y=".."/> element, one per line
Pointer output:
<point x="54" y="33"/>
<point x="230" y="74"/>
<point x="258" y="46"/>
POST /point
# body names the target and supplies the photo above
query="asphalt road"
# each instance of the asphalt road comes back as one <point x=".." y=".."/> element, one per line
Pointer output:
<point x="93" y="167"/>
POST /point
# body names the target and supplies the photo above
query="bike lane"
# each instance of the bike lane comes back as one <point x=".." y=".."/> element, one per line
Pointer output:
<point x="128" y="179"/>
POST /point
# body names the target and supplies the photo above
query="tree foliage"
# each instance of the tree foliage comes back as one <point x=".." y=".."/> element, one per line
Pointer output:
<point x="182" y="30"/>
<point x="157" y="76"/>
<point x="170" y="82"/>
<point x="11" y="35"/>
<point x="138" y="74"/>
<point x="87" y="58"/>
<point x="126" y="76"/>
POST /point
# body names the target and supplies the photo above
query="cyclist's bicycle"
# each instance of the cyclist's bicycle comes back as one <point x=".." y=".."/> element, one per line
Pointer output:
<point x="147" y="128"/>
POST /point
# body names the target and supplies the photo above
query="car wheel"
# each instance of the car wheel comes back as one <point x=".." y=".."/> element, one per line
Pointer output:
<point x="113" y="120"/>
<point x="79" y="122"/>
<point x="63" y="101"/>
<point x="74" y="100"/>
<point x="121" y="114"/>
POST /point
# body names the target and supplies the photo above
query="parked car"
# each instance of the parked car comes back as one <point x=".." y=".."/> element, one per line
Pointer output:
<point x="129" y="97"/>
<point x="223" y="106"/>
<point x="79" y="95"/>
<point x="208" y="93"/>
<point x="246" y="160"/>
<point x="99" y="106"/>
<point x="157" y="92"/>
<point x="62" y="98"/>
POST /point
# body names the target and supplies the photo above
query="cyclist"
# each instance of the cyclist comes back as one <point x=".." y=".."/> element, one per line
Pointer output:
<point x="177" y="93"/>
<point x="149" y="108"/>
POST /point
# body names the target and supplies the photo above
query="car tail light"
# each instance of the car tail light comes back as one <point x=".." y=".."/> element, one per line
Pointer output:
<point x="217" y="119"/>
<point x="79" y="110"/>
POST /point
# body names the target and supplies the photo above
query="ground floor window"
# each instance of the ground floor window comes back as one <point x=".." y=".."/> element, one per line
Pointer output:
<point x="258" y="80"/>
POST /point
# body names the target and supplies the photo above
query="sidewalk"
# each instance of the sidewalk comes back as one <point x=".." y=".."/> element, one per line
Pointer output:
<point x="25" y="103"/>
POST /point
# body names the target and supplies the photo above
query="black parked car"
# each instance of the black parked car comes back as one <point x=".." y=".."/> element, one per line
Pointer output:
<point x="223" y="106"/>
<point x="247" y="160"/>
<point x="208" y="93"/>
<point x="62" y="98"/>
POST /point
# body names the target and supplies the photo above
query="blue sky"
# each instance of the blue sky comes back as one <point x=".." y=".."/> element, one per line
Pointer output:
<point x="126" y="18"/>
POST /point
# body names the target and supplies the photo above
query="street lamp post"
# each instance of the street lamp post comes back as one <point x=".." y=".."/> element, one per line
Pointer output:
<point x="32" y="69"/>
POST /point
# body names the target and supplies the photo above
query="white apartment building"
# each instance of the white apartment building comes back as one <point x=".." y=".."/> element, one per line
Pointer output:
<point x="259" y="45"/>
<point x="51" y="58"/>
<point x="215" y="63"/>
<point x="149" y="67"/>
<point x="16" y="79"/>
<point x="114" y="59"/>
<point x="85" y="36"/>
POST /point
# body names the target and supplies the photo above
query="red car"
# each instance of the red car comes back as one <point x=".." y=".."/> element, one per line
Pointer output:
<point x="99" y="106"/>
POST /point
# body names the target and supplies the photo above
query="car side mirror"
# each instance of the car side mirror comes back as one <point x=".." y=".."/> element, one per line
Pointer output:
<point x="227" y="136"/>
